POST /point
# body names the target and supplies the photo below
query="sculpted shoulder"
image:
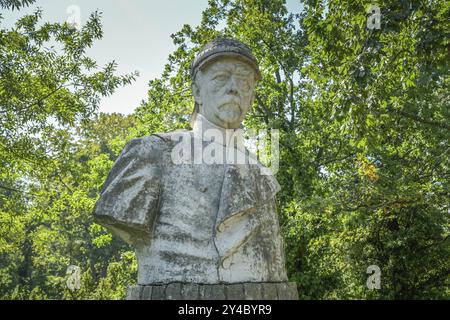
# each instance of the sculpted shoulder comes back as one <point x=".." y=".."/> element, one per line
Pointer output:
<point x="151" y="147"/>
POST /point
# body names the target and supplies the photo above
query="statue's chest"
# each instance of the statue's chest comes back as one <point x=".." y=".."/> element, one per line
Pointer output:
<point x="190" y="198"/>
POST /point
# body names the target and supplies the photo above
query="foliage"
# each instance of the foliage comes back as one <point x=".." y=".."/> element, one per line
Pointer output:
<point x="55" y="153"/>
<point x="55" y="228"/>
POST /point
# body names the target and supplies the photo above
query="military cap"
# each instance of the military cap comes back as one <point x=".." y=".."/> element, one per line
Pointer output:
<point x="221" y="47"/>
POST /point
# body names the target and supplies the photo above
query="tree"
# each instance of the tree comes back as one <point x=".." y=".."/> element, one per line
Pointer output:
<point x="383" y="192"/>
<point x="55" y="228"/>
<point x="46" y="193"/>
<point x="43" y="90"/>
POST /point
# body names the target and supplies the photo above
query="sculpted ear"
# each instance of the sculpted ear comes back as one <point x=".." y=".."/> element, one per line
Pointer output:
<point x="196" y="91"/>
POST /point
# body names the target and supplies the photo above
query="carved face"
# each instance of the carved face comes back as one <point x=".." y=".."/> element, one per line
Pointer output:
<point x="224" y="90"/>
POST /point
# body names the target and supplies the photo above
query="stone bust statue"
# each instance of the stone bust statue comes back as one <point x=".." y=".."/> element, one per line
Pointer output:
<point x="197" y="220"/>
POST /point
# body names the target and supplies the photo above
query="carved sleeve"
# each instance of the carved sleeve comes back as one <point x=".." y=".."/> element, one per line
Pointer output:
<point x="129" y="199"/>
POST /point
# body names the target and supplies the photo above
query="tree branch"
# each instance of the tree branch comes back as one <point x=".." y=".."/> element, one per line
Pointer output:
<point x="424" y="121"/>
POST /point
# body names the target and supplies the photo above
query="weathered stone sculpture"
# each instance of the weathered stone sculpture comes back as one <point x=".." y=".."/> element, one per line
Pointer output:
<point x="204" y="224"/>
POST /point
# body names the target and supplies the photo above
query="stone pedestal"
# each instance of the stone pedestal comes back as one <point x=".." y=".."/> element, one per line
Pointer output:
<point x="192" y="291"/>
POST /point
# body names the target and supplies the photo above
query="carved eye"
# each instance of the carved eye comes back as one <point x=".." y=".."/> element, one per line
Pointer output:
<point x="220" y="78"/>
<point x="244" y="84"/>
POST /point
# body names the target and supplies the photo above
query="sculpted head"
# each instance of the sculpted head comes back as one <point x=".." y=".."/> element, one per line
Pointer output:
<point x="224" y="82"/>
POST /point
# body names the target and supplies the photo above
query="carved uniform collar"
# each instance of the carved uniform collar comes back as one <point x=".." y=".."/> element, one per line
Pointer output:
<point x="207" y="131"/>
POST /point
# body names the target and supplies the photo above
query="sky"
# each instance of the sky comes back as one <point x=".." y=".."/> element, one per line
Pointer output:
<point x="136" y="36"/>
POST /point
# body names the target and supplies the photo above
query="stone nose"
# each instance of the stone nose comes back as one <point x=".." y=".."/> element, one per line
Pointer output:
<point x="232" y="86"/>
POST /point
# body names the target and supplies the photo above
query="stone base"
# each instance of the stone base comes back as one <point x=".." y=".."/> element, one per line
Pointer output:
<point x="192" y="291"/>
